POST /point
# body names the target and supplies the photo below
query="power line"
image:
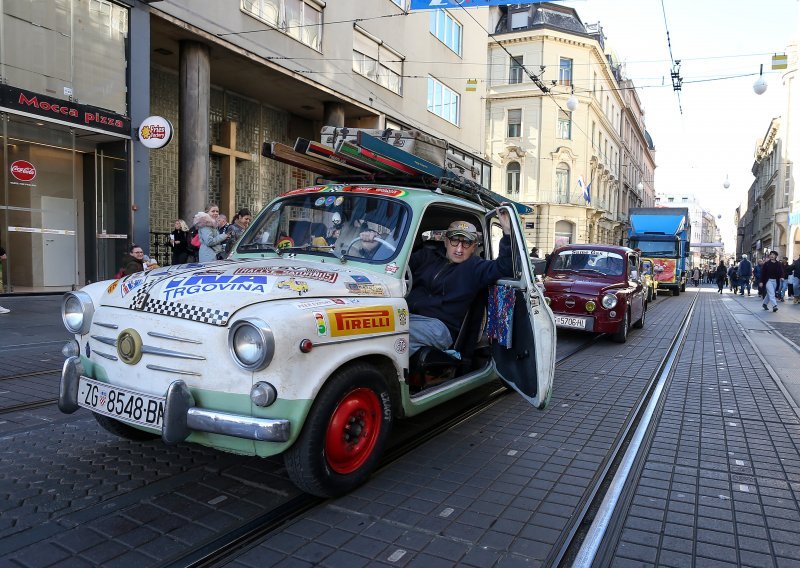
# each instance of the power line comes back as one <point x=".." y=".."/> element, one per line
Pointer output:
<point x="272" y="28"/>
<point x="675" y="72"/>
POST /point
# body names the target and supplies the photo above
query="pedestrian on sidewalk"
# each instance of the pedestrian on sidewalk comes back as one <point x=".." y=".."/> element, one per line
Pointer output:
<point x="796" y="276"/>
<point x="787" y="270"/>
<point x="721" y="274"/>
<point x="745" y="272"/>
<point x="733" y="278"/>
<point x="696" y="276"/>
<point x="771" y="276"/>
<point x="2" y="257"/>
<point x="757" y="277"/>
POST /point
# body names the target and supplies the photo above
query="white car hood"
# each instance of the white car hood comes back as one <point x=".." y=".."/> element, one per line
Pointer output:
<point x="212" y="292"/>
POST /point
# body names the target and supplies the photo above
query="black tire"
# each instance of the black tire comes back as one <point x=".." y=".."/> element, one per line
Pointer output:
<point x="321" y="462"/>
<point x="676" y="291"/>
<point x="122" y="430"/>
<point x="621" y="336"/>
<point x="640" y="323"/>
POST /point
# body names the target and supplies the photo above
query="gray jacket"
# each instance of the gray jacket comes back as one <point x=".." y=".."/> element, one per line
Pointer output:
<point x="210" y="243"/>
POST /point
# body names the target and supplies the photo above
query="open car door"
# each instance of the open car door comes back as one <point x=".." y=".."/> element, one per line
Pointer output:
<point x="527" y="364"/>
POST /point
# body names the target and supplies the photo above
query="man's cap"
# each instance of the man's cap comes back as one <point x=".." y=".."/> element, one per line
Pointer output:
<point x="773" y="252"/>
<point x="462" y="229"/>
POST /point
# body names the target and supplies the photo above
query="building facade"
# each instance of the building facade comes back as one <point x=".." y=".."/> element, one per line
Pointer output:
<point x="549" y="156"/>
<point x="77" y="77"/>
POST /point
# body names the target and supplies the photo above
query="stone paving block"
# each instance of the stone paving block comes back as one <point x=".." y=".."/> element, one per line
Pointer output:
<point x="344" y="558"/>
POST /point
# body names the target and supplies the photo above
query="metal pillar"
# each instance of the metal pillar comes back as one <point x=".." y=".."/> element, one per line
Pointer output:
<point x="193" y="156"/>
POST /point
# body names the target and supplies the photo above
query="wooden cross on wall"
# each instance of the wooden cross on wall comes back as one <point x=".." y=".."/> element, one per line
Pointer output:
<point x="228" y="156"/>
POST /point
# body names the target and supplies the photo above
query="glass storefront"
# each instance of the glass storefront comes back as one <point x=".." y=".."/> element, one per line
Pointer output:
<point x="63" y="204"/>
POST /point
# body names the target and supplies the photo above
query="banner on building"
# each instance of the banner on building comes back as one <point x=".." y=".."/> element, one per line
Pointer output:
<point x="434" y="4"/>
<point x="780" y="61"/>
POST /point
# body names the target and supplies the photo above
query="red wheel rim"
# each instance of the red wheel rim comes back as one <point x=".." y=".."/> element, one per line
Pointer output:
<point x="353" y="431"/>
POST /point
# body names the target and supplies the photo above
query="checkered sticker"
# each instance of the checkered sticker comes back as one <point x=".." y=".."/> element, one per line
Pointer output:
<point x="185" y="311"/>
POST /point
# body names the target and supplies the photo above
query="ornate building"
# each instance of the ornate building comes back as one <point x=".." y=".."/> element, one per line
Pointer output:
<point x="549" y="156"/>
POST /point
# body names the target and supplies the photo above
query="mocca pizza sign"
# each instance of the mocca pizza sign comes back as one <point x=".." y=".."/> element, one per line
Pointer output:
<point x="67" y="111"/>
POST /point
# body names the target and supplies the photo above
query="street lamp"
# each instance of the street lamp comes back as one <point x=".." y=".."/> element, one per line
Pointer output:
<point x="727" y="183"/>
<point x="760" y="86"/>
<point x="572" y="101"/>
<point x="640" y="186"/>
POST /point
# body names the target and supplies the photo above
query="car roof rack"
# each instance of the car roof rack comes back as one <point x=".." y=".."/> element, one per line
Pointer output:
<point x="365" y="158"/>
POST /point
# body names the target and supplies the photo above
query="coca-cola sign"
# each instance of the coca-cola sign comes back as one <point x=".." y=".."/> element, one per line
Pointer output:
<point x="23" y="170"/>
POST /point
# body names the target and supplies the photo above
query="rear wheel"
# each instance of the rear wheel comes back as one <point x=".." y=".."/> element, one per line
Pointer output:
<point x="122" y="430"/>
<point x="344" y="434"/>
<point x="621" y="336"/>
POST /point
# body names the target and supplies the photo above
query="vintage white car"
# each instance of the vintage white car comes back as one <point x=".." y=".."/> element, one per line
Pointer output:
<point x="303" y="348"/>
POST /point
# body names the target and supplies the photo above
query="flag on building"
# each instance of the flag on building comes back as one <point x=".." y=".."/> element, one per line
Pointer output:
<point x="779" y="61"/>
<point x="472" y="85"/>
<point x="585" y="189"/>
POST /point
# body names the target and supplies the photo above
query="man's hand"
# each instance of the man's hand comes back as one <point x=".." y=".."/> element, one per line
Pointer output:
<point x="505" y="221"/>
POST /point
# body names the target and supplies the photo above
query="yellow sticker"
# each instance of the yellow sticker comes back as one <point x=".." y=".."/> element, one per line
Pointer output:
<point x="360" y="321"/>
<point x="112" y="287"/>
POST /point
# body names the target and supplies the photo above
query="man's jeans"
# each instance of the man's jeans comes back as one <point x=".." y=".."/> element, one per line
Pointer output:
<point x="427" y="331"/>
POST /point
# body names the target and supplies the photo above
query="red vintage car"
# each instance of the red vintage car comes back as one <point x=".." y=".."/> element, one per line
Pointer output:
<point x="597" y="288"/>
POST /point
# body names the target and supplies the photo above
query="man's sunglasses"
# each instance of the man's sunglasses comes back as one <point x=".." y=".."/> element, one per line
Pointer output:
<point x="454" y="242"/>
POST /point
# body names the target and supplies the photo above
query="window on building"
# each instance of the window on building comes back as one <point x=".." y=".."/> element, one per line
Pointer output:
<point x="512" y="178"/>
<point x="515" y="123"/>
<point x="446" y="29"/>
<point x="402" y="3"/>
<point x="670" y="200"/>
<point x="300" y="19"/>
<point x="515" y="70"/>
<point x="787" y="185"/>
<point x="564" y="231"/>
<point x="519" y="19"/>
<point x="444" y="101"/>
<point x="377" y="62"/>
<point x="565" y="71"/>
<point x="564" y="125"/>
<point x="685" y="199"/>
<point x="562" y="183"/>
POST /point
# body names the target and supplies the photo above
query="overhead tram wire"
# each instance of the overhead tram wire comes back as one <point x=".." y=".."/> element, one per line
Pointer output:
<point x="675" y="72"/>
<point x="272" y="28"/>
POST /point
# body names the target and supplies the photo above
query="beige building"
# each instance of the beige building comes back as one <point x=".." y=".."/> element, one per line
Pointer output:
<point x="540" y="149"/>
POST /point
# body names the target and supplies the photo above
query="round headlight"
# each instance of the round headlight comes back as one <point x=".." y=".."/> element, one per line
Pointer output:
<point x="251" y="344"/>
<point x="590" y="306"/>
<point x="76" y="312"/>
<point x="609" y="301"/>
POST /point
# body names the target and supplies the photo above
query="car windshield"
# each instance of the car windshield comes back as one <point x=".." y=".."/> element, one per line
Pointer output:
<point x="647" y="267"/>
<point x="591" y="261"/>
<point x="370" y="228"/>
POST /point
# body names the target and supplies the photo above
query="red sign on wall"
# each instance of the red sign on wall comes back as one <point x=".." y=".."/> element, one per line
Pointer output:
<point x="23" y="170"/>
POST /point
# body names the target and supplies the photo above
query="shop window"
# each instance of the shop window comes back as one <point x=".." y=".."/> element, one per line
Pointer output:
<point x="444" y="101"/>
<point x="446" y="29"/>
<point x="515" y="70"/>
<point x="513" y="178"/>
<point x="300" y="19"/>
<point x="514" y="123"/>
<point x="565" y="72"/>
<point x="377" y="62"/>
<point x="564" y="125"/>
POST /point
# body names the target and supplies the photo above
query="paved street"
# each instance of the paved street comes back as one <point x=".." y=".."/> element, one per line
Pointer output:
<point x="716" y="482"/>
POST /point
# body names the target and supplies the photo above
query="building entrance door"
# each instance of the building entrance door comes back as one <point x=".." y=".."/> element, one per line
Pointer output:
<point x="59" y="247"/>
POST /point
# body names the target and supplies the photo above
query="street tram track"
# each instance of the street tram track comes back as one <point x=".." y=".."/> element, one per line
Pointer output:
<point x="218" y="549"/>
<point x="27" y="406"/>
<point x="32" y="374"/>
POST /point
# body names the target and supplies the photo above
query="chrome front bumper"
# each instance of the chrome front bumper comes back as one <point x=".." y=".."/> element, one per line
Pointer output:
<point x="181" y="416"/>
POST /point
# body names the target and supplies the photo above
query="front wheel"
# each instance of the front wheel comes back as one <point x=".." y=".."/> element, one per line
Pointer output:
<point x="621" y="336"/>
<point x="640" y="324"/>
<point x="344" y="434"/>
<point x="122" y="430"/>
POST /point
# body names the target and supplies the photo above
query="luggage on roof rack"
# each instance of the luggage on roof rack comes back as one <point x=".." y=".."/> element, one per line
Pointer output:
<point x="359" y="156"/>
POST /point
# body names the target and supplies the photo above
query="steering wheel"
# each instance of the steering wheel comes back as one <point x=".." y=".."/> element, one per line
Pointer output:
<point x="379" y="240"/>
<point x="408" y="281"/>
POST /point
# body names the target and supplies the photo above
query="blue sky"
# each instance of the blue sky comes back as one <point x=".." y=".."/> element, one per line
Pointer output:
<point x="722" y="119"/>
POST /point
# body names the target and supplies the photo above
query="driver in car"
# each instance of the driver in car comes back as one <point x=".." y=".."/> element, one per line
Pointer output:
<point x="445" y="283"/>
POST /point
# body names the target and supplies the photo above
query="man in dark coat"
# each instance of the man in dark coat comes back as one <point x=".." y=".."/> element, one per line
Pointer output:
<point x="133" y="262"/>
<point x="745" y="272"/>
<point x="771" y="276"/>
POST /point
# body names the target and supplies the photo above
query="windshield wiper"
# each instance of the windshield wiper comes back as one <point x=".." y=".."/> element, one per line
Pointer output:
<point x="260" y="247"/>
<point x="592" y="270"/>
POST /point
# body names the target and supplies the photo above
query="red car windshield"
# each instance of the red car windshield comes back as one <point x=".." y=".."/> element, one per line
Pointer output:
<point x="597" y="261"/>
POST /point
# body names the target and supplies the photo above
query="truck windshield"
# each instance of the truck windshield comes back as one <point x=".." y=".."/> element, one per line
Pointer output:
<point x="657" y="249"/>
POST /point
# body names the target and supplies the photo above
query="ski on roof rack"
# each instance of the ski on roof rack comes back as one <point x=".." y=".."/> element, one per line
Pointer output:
<point x="360" y="157"/>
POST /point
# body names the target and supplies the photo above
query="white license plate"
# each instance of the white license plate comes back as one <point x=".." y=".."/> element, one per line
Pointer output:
<point x="120" y="403"/>
<point x="569" y="321"/>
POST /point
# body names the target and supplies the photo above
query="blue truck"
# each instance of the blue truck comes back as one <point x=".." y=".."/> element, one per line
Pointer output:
<point x="662" y="234"/>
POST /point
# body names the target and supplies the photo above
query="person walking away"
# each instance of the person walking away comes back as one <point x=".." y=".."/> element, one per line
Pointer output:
<point x="133" y="261"/>
<point x="796" y="278"/>
<point x="787" y="269"/>
<point x="745" y="272"/>
<point x="696" y="276"/>
<point x="3" y="310"/>
<point x="771" y="276"/>
<point x="721" y="274"/>
<point x="179" y="242"/>
<point x="236" y="229"/>
<point x="211" y="241"/>
<point x="757" y="276"/>
<point x="733" y="279"/>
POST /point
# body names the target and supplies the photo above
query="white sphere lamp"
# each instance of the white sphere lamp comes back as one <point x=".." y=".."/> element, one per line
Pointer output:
<point x="640" y="186"/>
<point x="572" y="103"/>
<point x="726" y="184"/>
<point x="760" y="85"/>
